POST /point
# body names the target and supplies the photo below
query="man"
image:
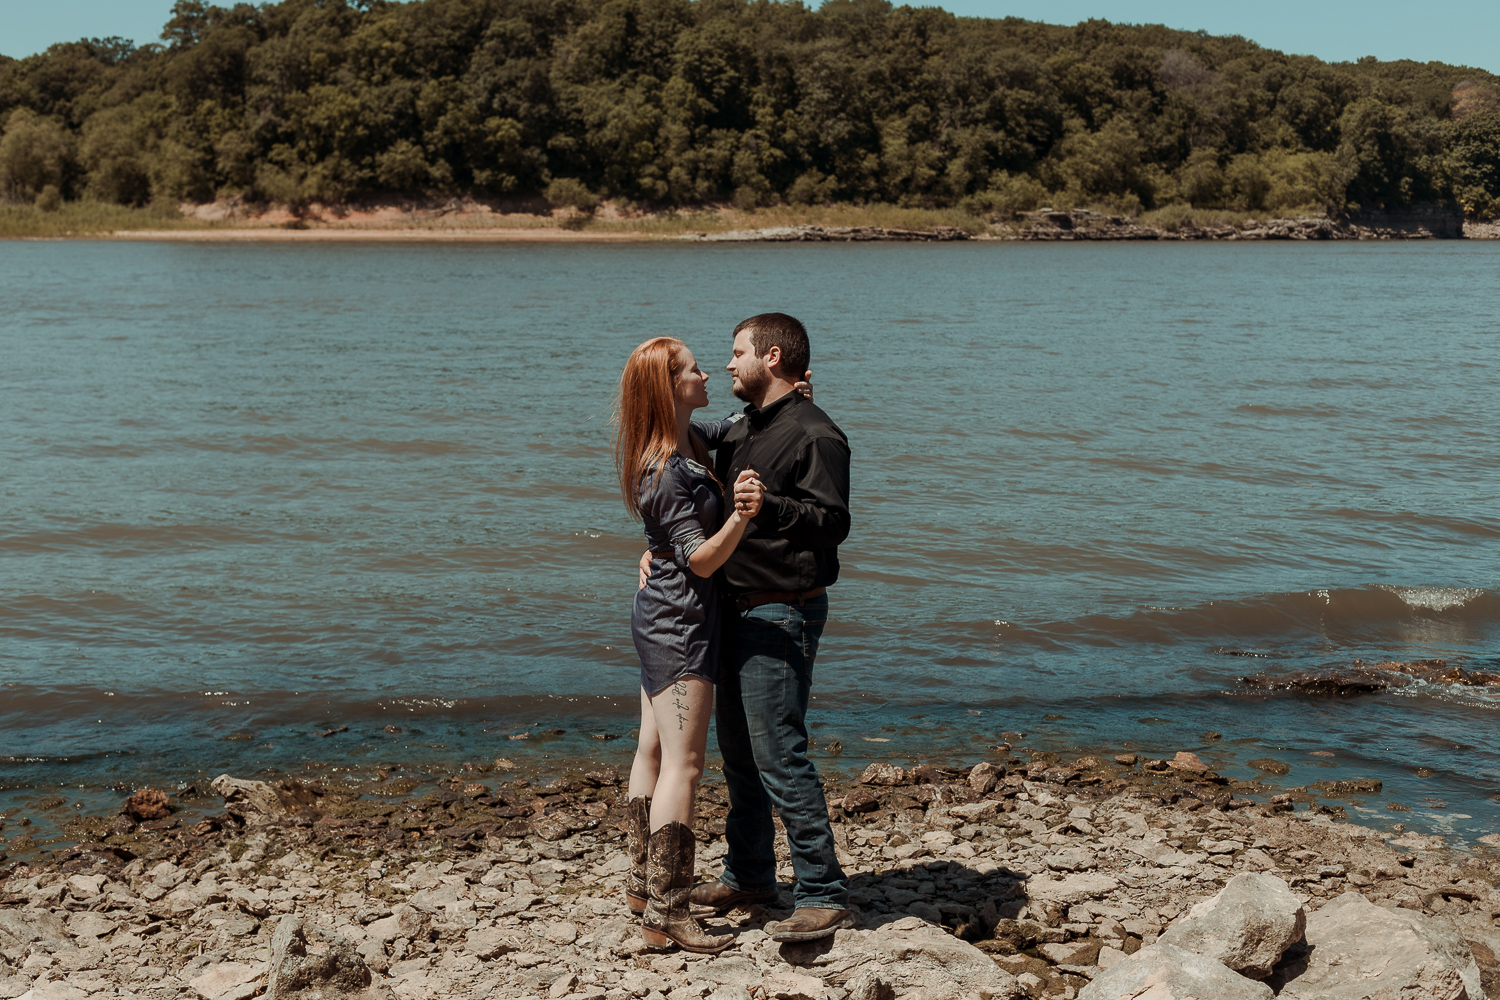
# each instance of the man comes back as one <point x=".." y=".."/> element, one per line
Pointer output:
<point x="775" y="604"/>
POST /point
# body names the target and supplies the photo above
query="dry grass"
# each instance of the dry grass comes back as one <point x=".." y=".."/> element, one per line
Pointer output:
<point x="1175" y="217"/>
<point x="711" y="219"/>
<point x="723" y="220"/>
<point x="87" y="218"/>
<point x="93" y="218"/>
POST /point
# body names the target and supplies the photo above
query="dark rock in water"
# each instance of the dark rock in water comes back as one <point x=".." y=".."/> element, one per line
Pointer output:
<point x="123" y="826"/>
<point x="1271" y="766"/>
<point x="1340" y="683"/>
<point x="296" y="972"/>
<point x="148" y="803"/>
<point x="1354" y="786"/>
<point x="1435" y="671"/>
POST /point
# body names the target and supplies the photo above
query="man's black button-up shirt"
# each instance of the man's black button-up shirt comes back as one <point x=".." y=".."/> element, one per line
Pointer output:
<point x="803" y="459"/>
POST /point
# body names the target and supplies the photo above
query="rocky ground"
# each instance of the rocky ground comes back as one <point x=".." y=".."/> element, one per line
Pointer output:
<point x="1012" y="878"/>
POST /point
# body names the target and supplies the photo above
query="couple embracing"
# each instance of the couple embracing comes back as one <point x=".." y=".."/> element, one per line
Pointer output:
<point x="742" y="546"/>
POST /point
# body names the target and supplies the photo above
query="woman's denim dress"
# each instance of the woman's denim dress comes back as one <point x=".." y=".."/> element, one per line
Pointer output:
<point x="675" y="621"/>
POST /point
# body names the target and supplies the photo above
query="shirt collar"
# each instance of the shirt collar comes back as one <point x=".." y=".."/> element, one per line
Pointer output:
<point x="767" y="413"/>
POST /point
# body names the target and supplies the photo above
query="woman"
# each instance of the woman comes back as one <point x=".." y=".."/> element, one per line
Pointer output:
<point x="667" y="481"/>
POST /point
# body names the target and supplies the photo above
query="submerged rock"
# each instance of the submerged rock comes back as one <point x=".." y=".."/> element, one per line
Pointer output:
<point x="1339" y="683"/>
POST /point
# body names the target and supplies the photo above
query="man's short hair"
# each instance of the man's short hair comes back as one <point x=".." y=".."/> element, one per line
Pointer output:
<point x="770" y="330"/>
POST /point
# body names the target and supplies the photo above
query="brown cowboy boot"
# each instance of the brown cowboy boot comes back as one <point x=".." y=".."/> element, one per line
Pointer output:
<point x="669" y="877"/>
<point x="712" y="898"/>
<point x="637" y="830"/>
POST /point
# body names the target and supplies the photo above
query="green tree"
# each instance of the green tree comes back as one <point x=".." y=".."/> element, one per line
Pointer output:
<point x="35" y="153"/>
<point x="1473" y="161"/>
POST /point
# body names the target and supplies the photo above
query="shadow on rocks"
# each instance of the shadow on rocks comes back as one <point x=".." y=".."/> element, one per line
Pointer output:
<point x="919" y="924"/>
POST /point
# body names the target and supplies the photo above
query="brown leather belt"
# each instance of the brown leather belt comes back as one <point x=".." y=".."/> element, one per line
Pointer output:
<point x="744" y="602"/>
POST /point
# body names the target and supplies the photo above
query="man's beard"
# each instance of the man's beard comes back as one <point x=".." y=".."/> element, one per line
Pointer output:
<point x="752" y="383"/>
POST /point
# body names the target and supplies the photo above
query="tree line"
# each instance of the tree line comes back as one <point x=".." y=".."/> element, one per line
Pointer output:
<point x="686" y="102"/>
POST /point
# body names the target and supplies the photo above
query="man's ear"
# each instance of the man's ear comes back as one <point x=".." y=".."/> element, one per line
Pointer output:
<point x="772" y="358"/>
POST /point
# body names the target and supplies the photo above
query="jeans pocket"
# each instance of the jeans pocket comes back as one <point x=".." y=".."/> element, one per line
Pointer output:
<point x="774" y="615"/>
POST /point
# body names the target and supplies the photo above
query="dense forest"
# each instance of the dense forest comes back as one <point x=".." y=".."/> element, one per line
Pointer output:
<point x="686" y="102"/>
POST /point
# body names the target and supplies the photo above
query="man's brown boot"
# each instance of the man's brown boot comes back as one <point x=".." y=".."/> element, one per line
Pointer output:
<point x="637" y="831"/>
<point x="669" y="878"/>
<point x="712" y="898"/>
<point x="809" y="923"/>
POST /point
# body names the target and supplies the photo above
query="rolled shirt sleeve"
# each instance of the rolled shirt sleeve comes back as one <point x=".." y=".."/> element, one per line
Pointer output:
<point x="668" y="504"/>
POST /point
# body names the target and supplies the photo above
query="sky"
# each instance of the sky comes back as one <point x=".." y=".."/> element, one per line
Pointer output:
<point x="1465" y="32"/>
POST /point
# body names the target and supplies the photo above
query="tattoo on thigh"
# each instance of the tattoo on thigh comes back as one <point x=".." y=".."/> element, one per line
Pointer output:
<point x="679" y="691"/>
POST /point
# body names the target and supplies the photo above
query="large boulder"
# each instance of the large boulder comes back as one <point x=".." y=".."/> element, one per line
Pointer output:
<point x="296" y="971"/>
<point x="1359" y="951"/>
<point x="1166" y="972"/>
<point x="909" y="956"/>
<point x="1247" y="926"/>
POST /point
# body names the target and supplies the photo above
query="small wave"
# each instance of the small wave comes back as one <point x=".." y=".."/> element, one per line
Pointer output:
<point x="1375" y="614"/>
<point x="1434" y="598"/>
<point x="1465" y="695"/>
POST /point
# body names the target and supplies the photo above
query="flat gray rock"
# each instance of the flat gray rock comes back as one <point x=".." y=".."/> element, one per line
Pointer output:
<point x="908" y="956"/>
<point x="1360" y="951"/>
<point x="1165" y="972"/>
<point x="1247" y="926"/>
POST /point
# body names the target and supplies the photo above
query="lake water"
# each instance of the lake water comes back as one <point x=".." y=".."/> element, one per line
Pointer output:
<point x="254" y="493"/>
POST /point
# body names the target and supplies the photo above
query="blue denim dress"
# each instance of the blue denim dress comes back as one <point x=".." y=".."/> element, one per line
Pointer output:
<point x="675" y="622"/>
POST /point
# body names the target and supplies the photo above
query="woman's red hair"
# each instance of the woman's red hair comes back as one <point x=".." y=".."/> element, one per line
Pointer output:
<point x="646" y="418"/>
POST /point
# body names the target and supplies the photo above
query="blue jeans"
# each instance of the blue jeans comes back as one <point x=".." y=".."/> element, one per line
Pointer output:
<point x="765" y="675"/>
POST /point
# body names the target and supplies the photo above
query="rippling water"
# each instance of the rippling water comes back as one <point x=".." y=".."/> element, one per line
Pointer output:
<point x="256" y="492"/>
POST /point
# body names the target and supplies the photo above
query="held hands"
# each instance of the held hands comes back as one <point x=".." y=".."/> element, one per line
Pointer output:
<point x="749" y="492"/>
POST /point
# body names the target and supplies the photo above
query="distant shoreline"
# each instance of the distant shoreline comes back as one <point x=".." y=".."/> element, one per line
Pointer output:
<point x="470" y="221"/>
<point x="1294" y="230"/>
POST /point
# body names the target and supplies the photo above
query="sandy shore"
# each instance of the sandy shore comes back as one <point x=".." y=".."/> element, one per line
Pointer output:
<point x="279" y="235"/>
<point x="1023" y="878"/>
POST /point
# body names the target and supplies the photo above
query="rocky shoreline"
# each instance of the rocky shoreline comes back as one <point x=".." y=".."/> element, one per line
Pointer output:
<point x="1015" y="877"/>
<point x="1047" y="225"/>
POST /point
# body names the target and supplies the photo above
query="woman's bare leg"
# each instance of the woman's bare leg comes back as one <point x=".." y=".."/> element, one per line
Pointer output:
<point x="647" y="764"/>
<point x="682" y="712"/>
